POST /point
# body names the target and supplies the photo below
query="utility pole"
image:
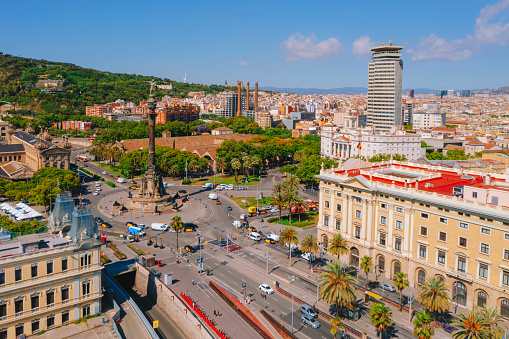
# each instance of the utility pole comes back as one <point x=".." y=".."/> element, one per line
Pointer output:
<point x="292" y="279"/>
<point x="267" y="256"/>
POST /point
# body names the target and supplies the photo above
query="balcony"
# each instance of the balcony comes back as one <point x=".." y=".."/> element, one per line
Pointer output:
<point x="451" y="272"/>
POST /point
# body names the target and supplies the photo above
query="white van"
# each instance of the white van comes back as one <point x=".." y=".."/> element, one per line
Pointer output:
<point x="121" y="180"/>
<point x="159" y="226"/>
<point x="255" y="236"/>
<point x="236" y="223"/>
<point x="243" y="217"/>
<point x="212" y="196"/>
<point x="207" y="185"/>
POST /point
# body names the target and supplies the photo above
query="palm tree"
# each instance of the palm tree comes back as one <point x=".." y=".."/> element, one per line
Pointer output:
<point x="491" y="321"/>
<point x="434" y="296"/>
<point x="278" y="200"/>
<point x="337" y="284"/>
<point x="300" y="205"/>
<point x="255" y="161"/>
<point x="246" y="162"/>
<point x="366" y="265"/>
<point x="236" y="165"/>
<point x="290" y="199"/>
<point x="177" y="225"/>
<point x="288" y="237"/>
<point x="424" y="328"/>
<point x="380" y="317"/>
<point x="400" y="282"/>
<point x="338" y="245"/>
<point x="221" y="165"/>
<point x="165" y="165"/>
<point x="292" y="182"/>
<point x="193" y="165"/>
<point x="308" y="245"/>
<point x="335" y="323"/>
<point x="174" y="170"/>
<point x="277" y="191"/>
<point x="469" y="326"/>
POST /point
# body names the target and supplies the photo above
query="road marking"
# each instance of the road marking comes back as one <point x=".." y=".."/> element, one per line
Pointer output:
<point x="283" y="313"/>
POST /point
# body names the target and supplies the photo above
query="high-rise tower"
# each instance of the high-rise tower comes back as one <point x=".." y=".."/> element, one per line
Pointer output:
<point x="385" y="87"/>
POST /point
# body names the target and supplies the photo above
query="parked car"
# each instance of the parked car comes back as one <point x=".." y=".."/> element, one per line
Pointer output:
<point x="241" y="188"/>
<point x="306" y="309"/>
<point x="98" y="188"/>
<point x="229" y="208"/>
<point x="311" y="321"/>
<point x="96" y="193"/>
<point x="274" y="210"/>
<point x="229" y="187"/>
<point x="387" y="287"/>
<point x="190" y="249"/>
<point x="266" y="289"/>
<point x="305" y="256"/>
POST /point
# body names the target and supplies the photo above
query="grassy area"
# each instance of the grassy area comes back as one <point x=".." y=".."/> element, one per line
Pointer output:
<point x="305" y="220"/>
<point x="251" y="201"/>
<point x="227" y="180"/>
<point x="110" y="168"/>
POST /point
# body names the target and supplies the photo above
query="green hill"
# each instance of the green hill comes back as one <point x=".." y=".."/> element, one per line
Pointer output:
<point x="84" y="86"/>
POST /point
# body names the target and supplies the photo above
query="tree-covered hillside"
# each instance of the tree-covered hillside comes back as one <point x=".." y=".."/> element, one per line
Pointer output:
<point x="84" y="86"/>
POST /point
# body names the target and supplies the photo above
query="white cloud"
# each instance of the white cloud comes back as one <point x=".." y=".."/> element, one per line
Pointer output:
<point x="490" y="29"/>
<point x="242" y="63"/>
<point x="300" y="47"/>
<point x="362" y="46"/>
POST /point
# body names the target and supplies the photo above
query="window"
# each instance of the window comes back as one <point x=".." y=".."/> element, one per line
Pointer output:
<point x="34" y="271"/>
<point x="20" y="329"/>
<point x="399" y="224"/>
<point x="327" y="192"/>
<point x="421" y="277"/>
<point x="485" y="248"/>
<point x="383" y="220"/>
<point x="423" y="251"/>
<point x="2" y="278"/>
<point x="482" y="218"/>
<point x="50" y="298"/>
<point x="65" y="317"/>
<point x="462" y="264"/>
<point x="50" y="321"/>
<point x="358" y="214"/>
<point x="424" y="231"/>
<point x="506" y="254"/>
<point x="34" y="302"/>
<point x="441" y="257"/>
<point x="49" y="267"/>
<point x="443" y="220"/>
<point x="381" y="264"/>
<point x="359" y="200"/>
<point x="338" y="194"/>
<point x="326" y="204"/>
<point x="86" y="310"/>
<point x="65" y="294"/>
<point x="474" y="194"/>
<point x="18" y="305"/>
<point x="462" y="242"/>
<point x="464" y="225"/>
<point x="483" y="271"/>
<point x="424" y="215"/>
<point x="382" y="239"/>
<point x="35" y="326"/>
<point x="397" y="244"/>
<point x="85" y="288"/>
<point x="505" y="278"/>
<point x="442" y="236"/>
<point x="486" y="231"/>
<point x="3" y="310"/>
<point x="18" y="274"/>
<point x="382" y="205"/>
<point x="338" y="208"/>
<point x="399" y="209"/>
<point x="65" y="265"/>
<point x="506" y="236"/>
<point x="325" y="222"/>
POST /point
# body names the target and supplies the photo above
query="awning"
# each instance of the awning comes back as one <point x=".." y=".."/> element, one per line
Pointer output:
<point x="374" y="296"/>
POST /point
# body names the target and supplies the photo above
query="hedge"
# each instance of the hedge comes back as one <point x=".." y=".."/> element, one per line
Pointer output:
<point x="105" y="259"/>
<point x="119" y="254"/>
<point x="272" y="219"/>
<point x="111" y="184"/>
<point x="137" y="251"/>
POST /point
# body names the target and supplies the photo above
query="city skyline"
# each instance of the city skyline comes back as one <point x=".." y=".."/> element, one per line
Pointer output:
<point x="287" y="44"/>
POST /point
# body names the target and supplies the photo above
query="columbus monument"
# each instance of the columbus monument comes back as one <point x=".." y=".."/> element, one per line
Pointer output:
<point x="152" y="196"/>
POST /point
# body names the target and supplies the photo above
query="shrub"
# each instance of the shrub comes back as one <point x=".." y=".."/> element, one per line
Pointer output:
<point x="101" y="179"/>
<point x="186" y="182"/>
<point x="136" y="250"/>
<point x="119" y="254"/>
<point x="272" y="219"/>
<point x="105" y="259"/>
<point x="111" y="184"/>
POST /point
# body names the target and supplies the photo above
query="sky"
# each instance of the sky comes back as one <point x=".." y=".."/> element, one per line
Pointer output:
<point x="321" y="44"/>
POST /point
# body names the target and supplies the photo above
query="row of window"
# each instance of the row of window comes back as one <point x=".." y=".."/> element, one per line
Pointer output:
<point x="10" y="158"/>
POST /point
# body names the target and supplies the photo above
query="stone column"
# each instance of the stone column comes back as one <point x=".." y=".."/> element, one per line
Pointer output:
<point x="406" y="231"/>
<point x="350" y="215"/>
<point x="390" y="224"/>
<point x="364" y="219"/>
<point x="151" y="105"/>
<point x="412" y="212"/>
<point x="345" y="214"/>
<point x="369" y="231"/>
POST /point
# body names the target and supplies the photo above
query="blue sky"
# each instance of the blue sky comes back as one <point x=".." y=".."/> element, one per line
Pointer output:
<point x="324" y="44"/>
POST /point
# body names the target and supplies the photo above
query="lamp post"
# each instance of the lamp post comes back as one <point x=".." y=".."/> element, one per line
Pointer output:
<point x="267" y="256"/>
<point x="317" y="291"/>
<point x="50" y="196"/>
<point x="292" y="279"/>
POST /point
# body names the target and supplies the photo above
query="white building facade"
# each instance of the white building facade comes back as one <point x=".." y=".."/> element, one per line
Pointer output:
<point x="345" y="143"/>
<point x="385" y="87"/>
<point x="425" y="120"/>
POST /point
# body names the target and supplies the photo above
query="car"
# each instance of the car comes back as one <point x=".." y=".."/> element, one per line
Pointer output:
<point x="85" y="165"/>
<point x="387" y="287"/>
<point x="266" y="289"/>
<point x="229" y="208"/>
<point x="183" y="191"/>
<point x="118" y="176"/>
<point x="98" y="188"/>
<point x="96" y="193"/>
<point x="274" y="210"/>
<point x="218" y="202"/>
<point x="134" y="188"/>
<point x="142" y="226"/>
<point x="132" y="182"/>
<point x="261" y="212"/>
<point x="130" y="223"/>
<point x="252" y="229"/>
<point x="104" y="172"/>
<point x="305" y="256"/>
<point x="106" y="224"/>
<point x="273" y="236"/>
<point x="241" y="188"/>
<point x="220" y="188"/>
<point x="309" y="320"/>
<point x="190" y="249"/>
<point x="229" y="187"/>
<point x="189" y="228"/>
<point x="98" y="219"/>
<point x="270" y="241"/>
<point x="325" y="261"/>
<point x="306" y="309"/>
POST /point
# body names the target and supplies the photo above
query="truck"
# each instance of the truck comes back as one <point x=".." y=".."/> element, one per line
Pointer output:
<point x="213" y="196"/>
<point x="121" y="180"/>
<point x="159" y="226"/>
<point x="135" y="231"/>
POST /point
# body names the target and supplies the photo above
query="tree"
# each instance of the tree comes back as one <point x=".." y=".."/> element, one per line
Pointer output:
<point x="236" y="165"/>
<point x="380" y="316"/>
<point x="400" y="282"/>
<point x="177" y="225"/>
<point x="423" y="326"/>
<point x="434" y="296"/>
<point x="338" y="245"/>
<point x="290" y="199"/>
<point x="220" y="164"/>
<point x="246" y="162"/>
<point x="255" y="161"/>
<point x="469" y="326"/>
<point x="308" y="244"/>
<point x="491" y="321"/>
<point x="174" y="170"/>
<point x="366" y="265"/>
<point x="277" y="192"/>
<point x="288" y="237"/>
<point x="300" y="205"/>
<point x="337" y="284"/>
<point x="336" y="323"/>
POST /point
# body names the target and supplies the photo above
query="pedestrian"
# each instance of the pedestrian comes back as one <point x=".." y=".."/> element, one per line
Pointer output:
<point x="214" y="313"/>
<point x="193" y="282"/>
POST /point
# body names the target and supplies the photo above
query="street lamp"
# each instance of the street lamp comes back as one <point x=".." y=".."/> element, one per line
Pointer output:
<point x="292" y="279"/>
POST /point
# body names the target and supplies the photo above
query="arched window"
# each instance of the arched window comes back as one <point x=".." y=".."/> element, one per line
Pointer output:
<point x="439" y="277"/>
<point x="381" y="264"/>
<point x="325" y="242"/>
<point x="397" y="267"/>
<point x="504" y="308"/>
<point x="482" y="298"/>
<point x="354" y="257"/>
<point x="459" y="293"/>
<point x="421" y="277"/>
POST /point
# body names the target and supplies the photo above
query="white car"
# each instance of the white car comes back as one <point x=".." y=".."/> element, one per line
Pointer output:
<point x="311" y="321"/>
<point x="229" y="187"/>
<point x="98" y="188"/>
<point x="273" y="210"/>
<point x="220" y="188"/>
<point x="273" y="236"/>
<point x="142" y="226"/>
<point x="96" y="193"/>
<point x="305" y="256"/>
<point x="387" y="287"/>
<point x="266" y="288"/>
<point x="104" y="172"/>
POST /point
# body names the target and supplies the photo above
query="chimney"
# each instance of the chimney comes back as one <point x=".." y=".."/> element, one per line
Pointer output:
<point x="247" y="96"/>
<point x="239" y="99"/>
<point x="256" y="97"/>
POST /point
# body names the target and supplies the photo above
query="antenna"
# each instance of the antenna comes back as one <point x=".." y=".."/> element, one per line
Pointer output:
<point x="185" y="77"/>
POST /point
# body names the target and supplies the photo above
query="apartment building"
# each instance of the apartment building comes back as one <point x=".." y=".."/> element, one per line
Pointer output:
<point x="98" y="110"/>
<point x="177" y="112"/>
<point x="410" y="217"/>
<point x="426" y="120"/>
